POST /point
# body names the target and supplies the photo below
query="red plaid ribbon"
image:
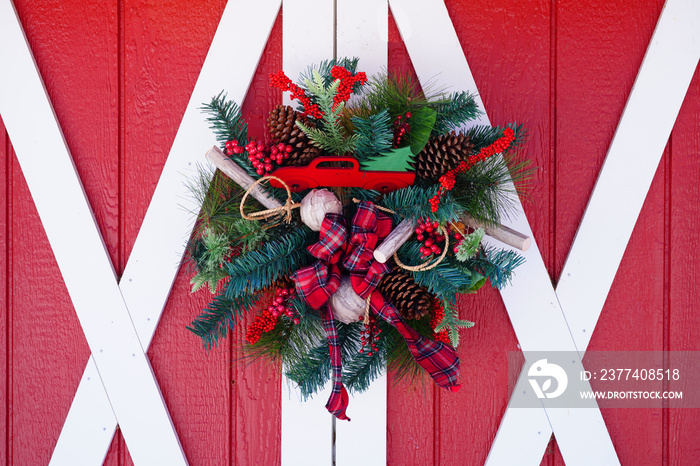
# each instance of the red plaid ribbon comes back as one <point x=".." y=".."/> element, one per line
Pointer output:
<point x="318" y="282"/>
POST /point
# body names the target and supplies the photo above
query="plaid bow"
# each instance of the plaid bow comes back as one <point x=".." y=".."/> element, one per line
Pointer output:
<point x="318" y="282"/>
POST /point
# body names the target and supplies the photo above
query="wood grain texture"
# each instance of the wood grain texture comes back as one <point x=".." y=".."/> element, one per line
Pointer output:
<point x="681" y="321"/>
<point x="507" y="46"/>
<point x="80" y="76"/>
<point x="564" y="69"/>
<point x="598" y="56"/>
<point x="163" y="48"/>
<point x="5" y="292"/>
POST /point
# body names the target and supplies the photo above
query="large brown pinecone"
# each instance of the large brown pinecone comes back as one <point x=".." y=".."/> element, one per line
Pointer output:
<point x="442" y="153"/>
<point x="411" y="300"/>
<point x="282" y="126"/>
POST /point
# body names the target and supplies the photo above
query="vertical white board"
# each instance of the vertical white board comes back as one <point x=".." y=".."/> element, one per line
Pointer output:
<point x="306" y="426"/>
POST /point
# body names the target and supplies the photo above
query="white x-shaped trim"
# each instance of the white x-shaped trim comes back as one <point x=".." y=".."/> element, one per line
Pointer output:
<point x="538" y="314"/>
<point x="118" y="384"/>
<point x="622" y="186"/>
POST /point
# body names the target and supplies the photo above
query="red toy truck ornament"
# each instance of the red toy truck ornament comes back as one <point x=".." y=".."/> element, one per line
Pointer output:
<point x="321" y="172"/>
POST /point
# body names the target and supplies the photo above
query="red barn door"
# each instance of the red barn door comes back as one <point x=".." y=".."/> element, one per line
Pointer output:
<point x="120" y="74"/>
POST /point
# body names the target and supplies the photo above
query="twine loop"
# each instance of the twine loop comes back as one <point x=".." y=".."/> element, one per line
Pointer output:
<point x="286" y="208"/>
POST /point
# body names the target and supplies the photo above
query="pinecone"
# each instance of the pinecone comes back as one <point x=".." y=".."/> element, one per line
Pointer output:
<point x="283" y="282"/>
<point x="282" y="127"/>
<point x="442" y="153"/>
<point x="411" y="300"/>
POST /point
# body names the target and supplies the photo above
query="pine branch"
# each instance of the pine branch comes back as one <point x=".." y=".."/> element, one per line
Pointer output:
<point x="288" y="342"/>
<point x="452" y="323"/>
<point x="218" y="197"/>
<point x="445" y="280"/>
<point x="227" y="123"/>
<point x="414" y="202"/>
<point x="247" y="235"/>
<point x="220" y="315"/>
<point x="226" y="120"/>
<point x="375" y="134"/>
<point x="330" y="134"/>
<point x="312" y="371"/>
<point x="363" y="194"/>
<point x="482" y="136"/>
<point x="452" y="112"/>
<point x="497" y="265"/>
<point x="398" y="94"/>
<point x="485" y="191"/>
<point x="260" y="268"/>
<point x="360" y="369"/>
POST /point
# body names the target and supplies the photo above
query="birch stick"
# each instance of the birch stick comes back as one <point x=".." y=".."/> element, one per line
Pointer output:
<point x="396" y="238"/>
<point x="502" y="233"/>
<point x="237" y="174"/>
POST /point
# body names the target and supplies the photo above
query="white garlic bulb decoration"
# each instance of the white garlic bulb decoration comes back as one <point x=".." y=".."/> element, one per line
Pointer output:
<point x="316" y="205"/>
<point x="347" y="306"/>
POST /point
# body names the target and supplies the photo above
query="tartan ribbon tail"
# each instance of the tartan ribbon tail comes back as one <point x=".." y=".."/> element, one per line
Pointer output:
<point x="437" y="358"/>
<point x="339" y="400"/>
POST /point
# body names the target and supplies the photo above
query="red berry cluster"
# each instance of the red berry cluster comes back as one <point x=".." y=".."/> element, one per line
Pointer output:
<point x="438" y="315"/>
<point x="447" y="181"/>
<point x="427" y="232"/>
<point x="266" y="321"/>
<point x="370" y="336"/>
<point x="281" y="81"/>
<point x="401" y="128"/>
<point x="280" y="304"/>
<point x="347" y="83"/>
<point x="232" y="147"/>
<point x="498" y="146"/>
<point x="265" y="157"/>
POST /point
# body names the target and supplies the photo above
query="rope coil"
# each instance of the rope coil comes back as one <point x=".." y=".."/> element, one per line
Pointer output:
<point x="286" y="208"/>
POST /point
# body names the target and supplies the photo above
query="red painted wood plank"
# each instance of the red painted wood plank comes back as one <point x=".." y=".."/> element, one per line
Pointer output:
<point x="256" y="386"/>
<point x="76" y="53"/>
<point x="681" y="281"/>
<point x="163" y="46"/>
<point x="598" y="57"/>
<point x="5" y="292"/>
<point x="48" y="350"/>
<point x="507" y="45"/>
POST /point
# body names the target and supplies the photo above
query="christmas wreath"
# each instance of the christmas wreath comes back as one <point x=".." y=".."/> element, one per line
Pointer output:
<point x="367" y="273"/>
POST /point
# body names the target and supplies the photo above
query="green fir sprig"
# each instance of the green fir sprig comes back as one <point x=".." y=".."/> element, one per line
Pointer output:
<point x="414" y="202"/>
<point x="453" y="111"/>
<point x="374" y="134"/>
<point x="260" y="268"/>
<point x="452" y="323"/>
<point x="220" y="316"/>
<point x="496" y="265"/>
<point x="227" y="123"/>
<point x="331" y="135"/>
<point x="446" y="280"/>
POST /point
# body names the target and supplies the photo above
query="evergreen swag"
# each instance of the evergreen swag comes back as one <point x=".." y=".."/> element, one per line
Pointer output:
<point x="247" y="264"/>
